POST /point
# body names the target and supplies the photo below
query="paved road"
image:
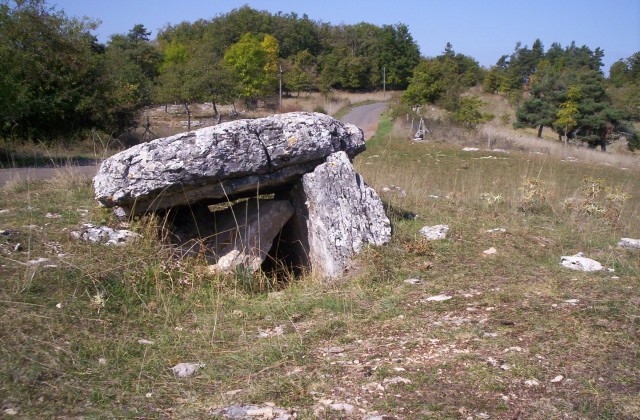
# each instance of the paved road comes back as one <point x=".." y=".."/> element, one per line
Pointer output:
<point x="366" y="117"/>
<point x="24" y="174"/>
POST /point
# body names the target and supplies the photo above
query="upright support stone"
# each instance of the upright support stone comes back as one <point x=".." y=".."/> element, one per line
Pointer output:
<point x="336" y="215"/>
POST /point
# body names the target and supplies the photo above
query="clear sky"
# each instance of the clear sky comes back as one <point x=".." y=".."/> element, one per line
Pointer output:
<point x="482" y="29"/>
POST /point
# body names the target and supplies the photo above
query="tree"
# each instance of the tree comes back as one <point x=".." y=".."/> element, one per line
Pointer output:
<point x="426" y="84"/>
<point x="178" y="80"/>
<point x="568" y="114"/>
<point x="468" y="112"/>
<point x="255" y="62"/>
<point x="48" y="71"/>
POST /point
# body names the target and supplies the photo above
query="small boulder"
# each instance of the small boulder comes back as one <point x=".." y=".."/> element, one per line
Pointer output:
<point x="105" y="235"/>
<point x="629" y="243"/>
<point x="580" y="262"/>
<point x="433" y="233"/>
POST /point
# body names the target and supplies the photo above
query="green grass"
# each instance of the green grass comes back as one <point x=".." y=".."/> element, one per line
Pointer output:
<point x="83" y="357"/>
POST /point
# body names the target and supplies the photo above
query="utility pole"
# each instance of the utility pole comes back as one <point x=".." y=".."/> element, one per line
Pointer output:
<point x="280" y="80"/>
<point x="384" y="83"/>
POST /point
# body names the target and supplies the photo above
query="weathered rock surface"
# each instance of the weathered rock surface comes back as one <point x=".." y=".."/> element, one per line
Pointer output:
<point x="580" y="262"/>
<point x="105" y="235"/>
<point x="336" y="215"/>
<point x="222" y="161"/>
<point x="629" y="243"/>
<point x="245" y="233"/>
<point x="433" y="233"/>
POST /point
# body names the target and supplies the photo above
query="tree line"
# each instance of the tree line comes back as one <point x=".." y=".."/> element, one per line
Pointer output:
<point x="57" y="81"/>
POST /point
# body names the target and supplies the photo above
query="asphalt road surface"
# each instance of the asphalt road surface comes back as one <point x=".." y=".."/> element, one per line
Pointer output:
<point x="366" y="117"/>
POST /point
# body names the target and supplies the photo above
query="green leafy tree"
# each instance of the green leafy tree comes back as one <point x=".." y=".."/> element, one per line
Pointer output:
<point x="48" y="72"/>
<point x="255" y="63"/>
<point x="568" y="114"/>
<point x="179" y="80"/>
<point x="469" y="112"/>
<point x="426" y="85"/>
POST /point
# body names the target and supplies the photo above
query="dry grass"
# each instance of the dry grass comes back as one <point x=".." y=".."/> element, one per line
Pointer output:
<point x="69" y="340"/>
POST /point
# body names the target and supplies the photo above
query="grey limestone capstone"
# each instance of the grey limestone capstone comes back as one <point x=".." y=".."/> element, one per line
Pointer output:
<point x="238" y="157"/>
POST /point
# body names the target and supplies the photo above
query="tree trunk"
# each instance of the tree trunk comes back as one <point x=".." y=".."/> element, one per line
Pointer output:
<point x="540" y="131"/>
<point x="186" y="107"/>
<point x="215" y="108"/>
<point x="603" y="144"/>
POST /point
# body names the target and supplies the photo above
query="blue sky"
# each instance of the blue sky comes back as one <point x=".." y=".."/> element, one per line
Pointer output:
<point x="483" y="29"/>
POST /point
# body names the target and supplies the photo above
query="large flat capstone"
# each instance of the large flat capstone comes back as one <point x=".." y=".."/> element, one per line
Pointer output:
<point x="232" y="159"/>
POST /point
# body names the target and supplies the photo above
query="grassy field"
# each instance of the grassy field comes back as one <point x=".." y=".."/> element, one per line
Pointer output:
<point x="520" y="337"/>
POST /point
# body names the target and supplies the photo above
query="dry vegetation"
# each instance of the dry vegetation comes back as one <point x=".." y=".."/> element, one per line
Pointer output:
<point x="515" y="321"/>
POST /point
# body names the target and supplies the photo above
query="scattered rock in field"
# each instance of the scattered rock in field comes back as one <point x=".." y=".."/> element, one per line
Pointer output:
<point x="393" y="189"/>
<point x="532" y="382"/>
<point x="438" y="298"/>
<point x="629" y="243"/>
<point x="38" y="261"/>
<point x="470" y="149"/>
<point x="335" y="350"/>
<point x="496" y="230"/>
<point x="347" y="408"/>
<point x="266" y="411"/>
<point x="483" y="416"/>
<point x="52" y="216"/>
<point x="500" y="151"/>
<point x="505" y="366"/>
<point x="59" y="305"/>
<point x="396" y="380"/>
<point x="615" y="278"/>
<point x="183" y="370"/>
<point x="17" y="247"/>
<point x="233" y="392"/>
<point x="104" y="235"/>
<point x="557" y="379"/>
<point x="514" y="348"/>
<point x="102" y="361"/>
<point x="572" y="301"/>
<point x="413" y="281"/>
<point x="580" y="262"/>
<point x="271" y="332"/>
<point x="11" y="411"/>
<point x="433" y="233"/>
<point x="146" y="342"/>
<point x="490" y="251"/>
<point x="3" y="211"/>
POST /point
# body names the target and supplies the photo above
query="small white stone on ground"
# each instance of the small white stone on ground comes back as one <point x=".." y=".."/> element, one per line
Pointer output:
<point x="11" y="411"/>
<point x="438" y="298"/>
<point x="572" y="301"/>
<point x="496" y="230"/>
<point x="557" y="379"/>
<point x="531" y="382"/>
<point x="413" y="281"/>
<point x="490" y="251"/>
<point x="470" y="149"/>
<point x="335" y="350"/>
<point x="433" y="233"/>
<point x="38" y="261"/>
<point x="183" y="370"/>
<point x="483" y="416"/>
<point x="629" y="243"/>
<point x="146" y="342"/>
<point x="396" y="380"/>
<point x="580" y="262"/>
<point x="347" y="408"/>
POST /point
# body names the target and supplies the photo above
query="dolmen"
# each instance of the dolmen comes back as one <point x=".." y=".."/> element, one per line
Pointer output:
<point x="250" y="194"/>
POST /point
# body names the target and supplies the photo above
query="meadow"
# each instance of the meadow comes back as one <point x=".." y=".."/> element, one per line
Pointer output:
<point x="93" y="331"/>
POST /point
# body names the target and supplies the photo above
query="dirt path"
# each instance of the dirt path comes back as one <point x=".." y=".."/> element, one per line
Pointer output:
<point x="366" y="117"/>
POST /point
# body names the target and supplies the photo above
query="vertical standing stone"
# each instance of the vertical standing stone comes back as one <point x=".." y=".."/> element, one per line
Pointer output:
<point x="336" y="215"/>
